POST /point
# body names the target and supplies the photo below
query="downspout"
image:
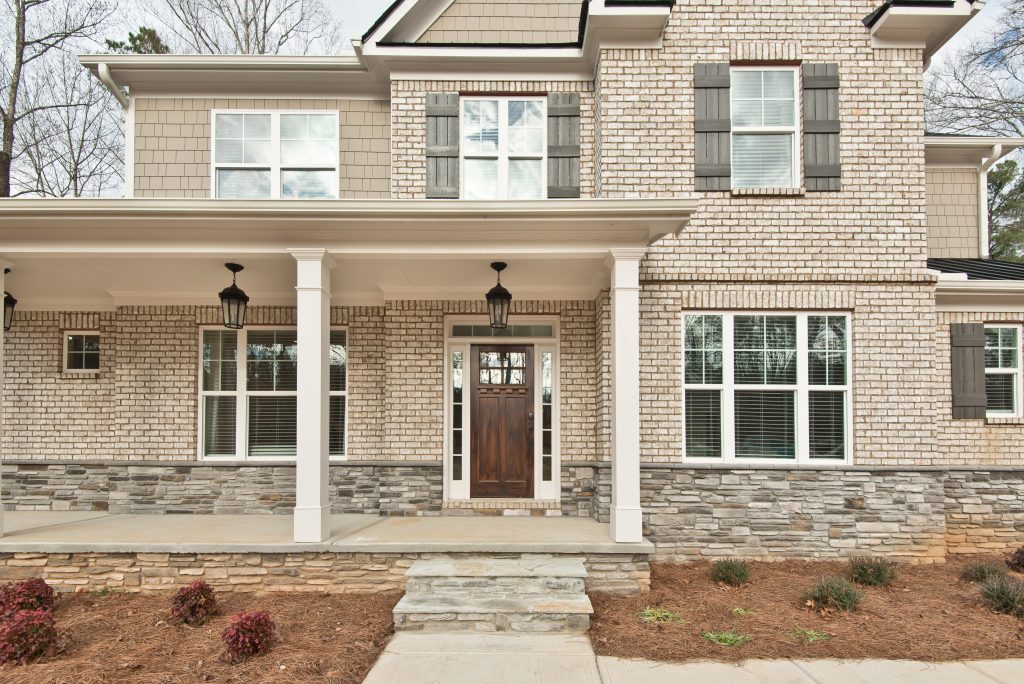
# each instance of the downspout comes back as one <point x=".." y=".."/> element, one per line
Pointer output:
<point x="986" y="165"/>
<point x="103" y="71"/>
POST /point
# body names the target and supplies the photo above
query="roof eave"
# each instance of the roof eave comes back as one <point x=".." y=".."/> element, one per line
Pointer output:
<point x="923" y="24"/>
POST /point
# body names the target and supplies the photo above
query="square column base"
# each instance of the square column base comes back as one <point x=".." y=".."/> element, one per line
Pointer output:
<point x="627" y="525"/>
<point x="311" y="525"/>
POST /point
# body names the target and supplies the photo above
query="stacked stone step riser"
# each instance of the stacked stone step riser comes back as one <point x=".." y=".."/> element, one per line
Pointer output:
<point x="493" y="622"/>
<point x="496" y="586"/>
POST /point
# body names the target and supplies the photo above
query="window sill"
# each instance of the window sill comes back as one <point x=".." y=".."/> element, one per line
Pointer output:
<point x="73" y="372"/>
<point x="1004" y="420"/>
<point x="770" y="192"/>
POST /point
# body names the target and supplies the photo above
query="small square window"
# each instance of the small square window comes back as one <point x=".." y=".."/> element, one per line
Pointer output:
<point x="82" y="352"/>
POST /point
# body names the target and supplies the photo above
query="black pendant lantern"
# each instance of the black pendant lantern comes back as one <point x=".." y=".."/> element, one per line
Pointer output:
<point x="9" y="303"/>
<point x="233" y="301"/>
<point x="499" y="299"/>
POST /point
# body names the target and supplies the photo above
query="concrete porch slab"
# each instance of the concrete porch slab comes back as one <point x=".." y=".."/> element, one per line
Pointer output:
<point x="70" y="532"/>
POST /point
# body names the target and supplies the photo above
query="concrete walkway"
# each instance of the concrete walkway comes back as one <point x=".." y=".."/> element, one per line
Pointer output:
<point x="558" y="659"/>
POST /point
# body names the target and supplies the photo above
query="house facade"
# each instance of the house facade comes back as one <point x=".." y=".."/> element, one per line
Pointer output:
<point x="751" y="312"/>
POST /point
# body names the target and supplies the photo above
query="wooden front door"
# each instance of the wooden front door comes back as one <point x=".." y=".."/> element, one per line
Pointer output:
<point x="501" y="386"/>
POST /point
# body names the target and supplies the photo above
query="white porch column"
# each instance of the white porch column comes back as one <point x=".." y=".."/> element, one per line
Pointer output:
<point x="626" y="520"/>
<point x="312" y="518"/>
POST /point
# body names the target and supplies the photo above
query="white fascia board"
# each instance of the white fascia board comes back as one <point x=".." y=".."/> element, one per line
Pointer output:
<point x="917" y="26"/>
<point x="980" y="295"/>
<point x="968" y="151"/>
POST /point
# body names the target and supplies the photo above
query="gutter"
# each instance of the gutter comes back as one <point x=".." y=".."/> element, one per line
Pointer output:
<point x="103" y="71"/>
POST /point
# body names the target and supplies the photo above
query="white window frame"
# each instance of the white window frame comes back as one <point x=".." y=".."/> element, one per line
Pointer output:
<point x="459" y="490"/>
<point x="802" y="388"/>
<point x="274" y="165"/>
<point x="794" y="130"/>
<point x="242" y="395"/>
<point x="65" y="348"/>
<point x="1018" y="373"/>
<point x="502" y="153"/>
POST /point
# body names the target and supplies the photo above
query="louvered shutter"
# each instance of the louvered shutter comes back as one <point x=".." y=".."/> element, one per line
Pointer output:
<point x="442" y="145"/>
<point x="563" y="145"/>
<point x="712" y="126"/>
<point x="967" y="365"/>
<point x="822" y="168"/>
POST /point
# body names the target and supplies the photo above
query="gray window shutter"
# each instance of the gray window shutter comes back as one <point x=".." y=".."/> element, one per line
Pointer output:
<point x="822" y="168"/>
<point x="712" y="126"/>
<point x="563" y="145"/>
<point x="442" y="145"/>
<point x="967" y="363"/>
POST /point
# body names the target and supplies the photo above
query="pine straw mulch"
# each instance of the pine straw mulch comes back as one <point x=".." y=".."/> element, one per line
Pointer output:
<point x="125" y="638"/>
<point x="929" y="613"/>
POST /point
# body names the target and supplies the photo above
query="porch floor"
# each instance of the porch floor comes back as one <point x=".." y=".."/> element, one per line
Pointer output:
<point x="74" y="532"/>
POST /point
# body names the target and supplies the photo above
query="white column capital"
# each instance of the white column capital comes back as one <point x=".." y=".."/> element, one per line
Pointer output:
<point x="627" y="253"/>
<point x="310" y="254"/>
<point x="625" y="267"/>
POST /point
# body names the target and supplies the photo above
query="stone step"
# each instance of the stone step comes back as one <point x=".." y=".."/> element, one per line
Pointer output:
<point x="496" y="577"/>
<point x="560" y="613"/>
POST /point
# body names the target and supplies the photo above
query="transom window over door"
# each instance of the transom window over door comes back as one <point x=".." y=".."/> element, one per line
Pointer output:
<point x="264" y="155"/>
<point x="503" y="147"/>
<point x="252" y="414"/>
<point x="766" y="387"/>
<point x="764" y="127"/>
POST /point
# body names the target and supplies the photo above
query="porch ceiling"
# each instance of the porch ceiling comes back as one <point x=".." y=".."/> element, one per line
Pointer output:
<point x="94" y="282"/>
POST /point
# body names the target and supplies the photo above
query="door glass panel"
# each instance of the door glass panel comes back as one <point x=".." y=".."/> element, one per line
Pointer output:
<point x="502" y="368"/>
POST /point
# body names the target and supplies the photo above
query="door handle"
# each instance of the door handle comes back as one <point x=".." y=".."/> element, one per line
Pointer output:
<point x="529" y="421"/>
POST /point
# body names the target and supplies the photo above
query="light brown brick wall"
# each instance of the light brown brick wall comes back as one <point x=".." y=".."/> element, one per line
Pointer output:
<point x="172" y="144"/>
<point x="493" y="21"/>
<point x="409" y="127"/>
<point x="998" y="441"/>
<point x="143" y="405"/>
<point x="952" y="202"/>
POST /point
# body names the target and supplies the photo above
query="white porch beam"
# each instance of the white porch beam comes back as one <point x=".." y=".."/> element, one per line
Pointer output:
<point x="626" y="517"/>
<point x="312" y="517"/>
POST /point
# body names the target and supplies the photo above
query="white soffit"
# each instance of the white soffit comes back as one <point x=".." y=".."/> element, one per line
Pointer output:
<point x="979" y="295"/>
<point x="928" y="25"/>
<point x="955" y="150"/>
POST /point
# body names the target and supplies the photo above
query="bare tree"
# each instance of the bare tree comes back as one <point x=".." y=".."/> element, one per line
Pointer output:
<point x="250" y="27"/>
<point x="36" y="27"/>
<point x="71" y="143"/>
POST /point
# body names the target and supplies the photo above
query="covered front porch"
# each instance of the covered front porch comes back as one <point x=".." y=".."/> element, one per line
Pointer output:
<point x="409" y="274"/>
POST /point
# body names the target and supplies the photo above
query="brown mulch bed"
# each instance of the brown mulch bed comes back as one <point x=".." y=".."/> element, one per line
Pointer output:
<point x="929" y="613"/>
<point x="122" y="638"/>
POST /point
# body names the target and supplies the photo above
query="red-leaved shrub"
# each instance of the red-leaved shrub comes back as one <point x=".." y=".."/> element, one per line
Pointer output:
<point x="194" y="604"/>
<point x="26" y="635"/>
<point x="28" y="594"/>
<point x="249" y="634"/>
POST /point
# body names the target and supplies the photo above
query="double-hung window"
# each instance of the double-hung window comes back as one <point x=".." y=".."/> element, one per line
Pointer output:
<point x="262" y="155"/>
<point x="250" y="411"/>
<point x="766" y="387"/>
<point x="503" y="146"/>
<point x="764" y="127"/>
<point x="1003" y="370"/>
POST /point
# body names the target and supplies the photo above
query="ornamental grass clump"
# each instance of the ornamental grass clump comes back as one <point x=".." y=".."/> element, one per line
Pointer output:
<point x="735" y="573"/>
<point x="248" y="634"/>
<point x="833" y="593"/>
<point x="982" y="572"/>
<point x="28" y="594"/>
<point x="726" y="638"/>
<point x="872" y="572"/>
<point x="1004" y="595"/>
<point x="194" y="604"/>
<point x="26" y="635"/>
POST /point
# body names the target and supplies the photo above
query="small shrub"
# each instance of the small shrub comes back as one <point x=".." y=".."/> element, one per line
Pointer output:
<point x="659" y="615"/>
<point x="872" y="572"/>
<point x="726" y="638"/>
<point x="248" y="634"/>
<point x="194" y="604"/>
<point x="26" y="635"/>
<point x="743" y="612"/>
<point x="810" y="636"/>
<point x="834" y="593"/>
<point x="1016" y="561"/>
<point x="1004" y="595"/>
<point x="28" y="594"/>
<point x="982" y="572"/>
<point x="732" y="572"/>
